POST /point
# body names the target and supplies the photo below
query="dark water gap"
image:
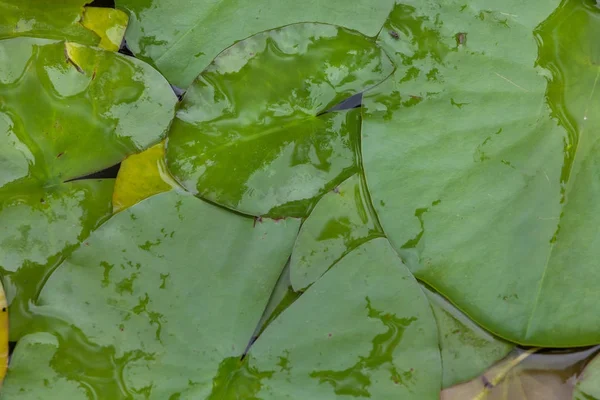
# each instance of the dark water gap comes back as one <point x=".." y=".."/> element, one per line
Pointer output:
<point x="102" y="3"/>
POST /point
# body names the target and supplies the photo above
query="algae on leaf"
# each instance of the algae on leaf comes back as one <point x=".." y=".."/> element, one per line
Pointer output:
<point x="467" y="350"/>
<point x="90" y="110"/>
<point x="168" y="288"/>
<point x="178" y="309"/>
<point x="496" y="207"/>
<point x="365" y="329"/>
<point x="342" y="220"/>
<point x="274" y="150"/>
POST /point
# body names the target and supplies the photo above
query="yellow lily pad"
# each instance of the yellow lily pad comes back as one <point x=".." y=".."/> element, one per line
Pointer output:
<point x="108" y="23"/>
<point x="141" y="176"/>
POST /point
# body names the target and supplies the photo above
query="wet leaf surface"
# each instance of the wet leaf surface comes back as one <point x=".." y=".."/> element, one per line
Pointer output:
<point x="162" y="298"/>
<point x="85" y="116"/>
<point x="389" y="349"/>
<point x="272" y="151"/>
<point x="496" y="202"/>
<point x="182" y="38"/>
<point x="45" y="19"/>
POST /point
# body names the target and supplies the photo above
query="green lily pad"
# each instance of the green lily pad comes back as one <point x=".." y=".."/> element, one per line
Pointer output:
<point x="495" y="208"/>
<point x="252" y="133"/>
<point x="467" y="350"/>
<point x="182" y="38"/>
<point x="32" y="376"/>
<point x="60" y="119"/>
<point x="588" y="383"/>
<point x="46" y="19"/>
<point x="342" y="220"/>
<point x="166" y="289"/>
<point x="173" y="336"/>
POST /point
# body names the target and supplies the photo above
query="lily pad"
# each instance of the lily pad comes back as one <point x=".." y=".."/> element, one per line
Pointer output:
<point x="342" y="220"/>
<point x="588" y="383"/>
<point x="109" y="24"/>
<point x="86" y="115"/>
<point x="274" y="150"/>
<point x="46" y="19"/>
<point x="525" y="375"/>
<point x="31" y="374"/>
<point x="480" y="178"/>
<point x="467" y="350"/>
<point x="141" y="176"/>
<point x="376" y="338"/>
<point x="172" y="296"/>
<point x="182" y="49"/>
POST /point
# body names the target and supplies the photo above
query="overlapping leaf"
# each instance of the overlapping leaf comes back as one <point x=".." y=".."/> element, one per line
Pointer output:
<point x="46" y="19"/>
<point x="173" y="335"/>
<point x="482" y="177"/>
<point x="466" y="349"/>
<point x="109" y="24"/>
<point x="342" y="220"/>
<point x="526" y="375"/>
<point x="588" y="384"/>
<point x="182" y="38"/>
<point x="271" y="150"/>
<point x="66" y="110"/>
<point x="141" y="176"/>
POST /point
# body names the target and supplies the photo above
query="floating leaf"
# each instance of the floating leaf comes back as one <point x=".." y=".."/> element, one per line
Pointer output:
<point x="198" y="31"/>
<point x="45" y="19"/>
<point x="341" y="221"/>
<point x="525" y="375"/>
<point x="141" y="176"/>
<point x="173" y="339"/>
<point x="363" y="330"/>
<point x="467" y="350"/>
<point x="273" y="150"/>
<point x="588" y="384"/>
<point x="178" y="284"/>
<point x="32" y="375"/>
<point x="89" y="111"/>
<point x="109" y="24"/>
<point x="484" y="188"/>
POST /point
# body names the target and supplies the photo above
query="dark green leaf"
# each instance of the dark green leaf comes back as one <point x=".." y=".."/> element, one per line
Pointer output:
<point x="66" y="110"/>
<point x="250" y="134"/>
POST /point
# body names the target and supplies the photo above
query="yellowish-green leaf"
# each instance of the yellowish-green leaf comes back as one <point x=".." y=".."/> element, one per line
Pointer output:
<point x="48" y="19"/>
<point x="108" y="23"/>
<point x="141" y="176"/>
